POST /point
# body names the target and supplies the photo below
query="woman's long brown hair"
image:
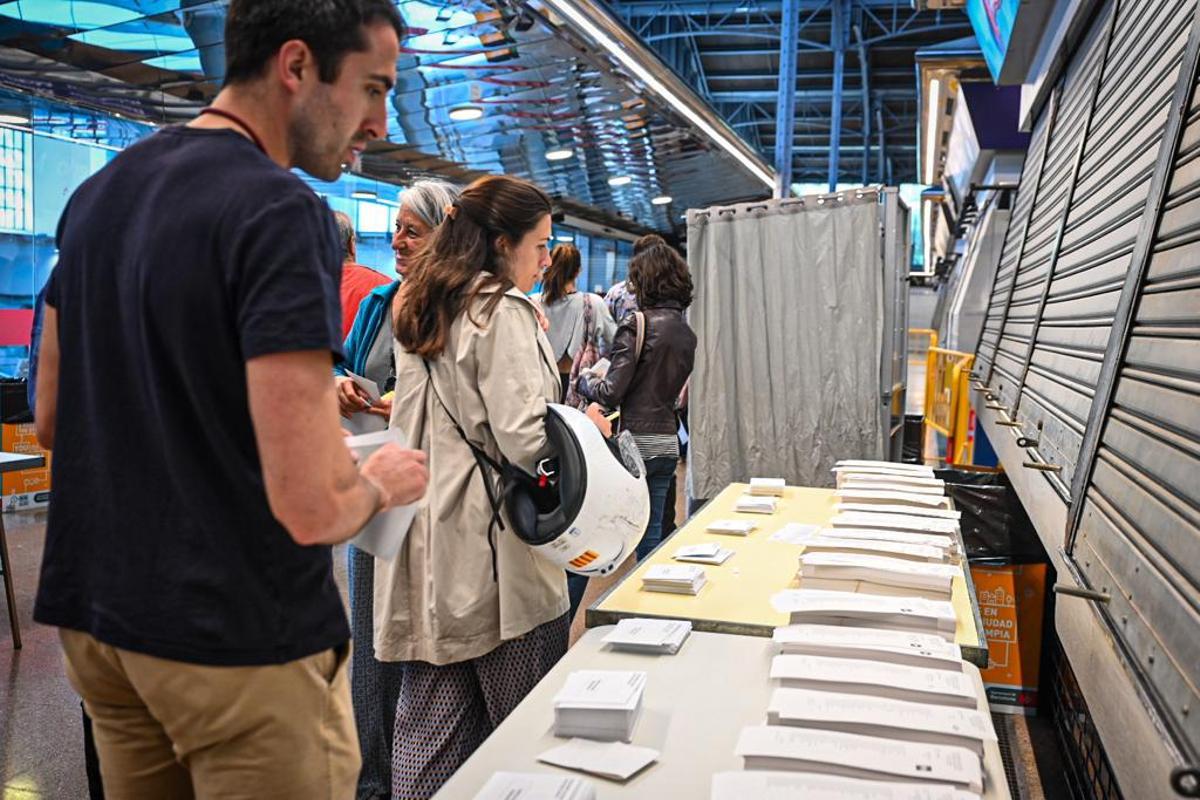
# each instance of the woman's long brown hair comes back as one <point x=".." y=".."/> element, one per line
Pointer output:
<point x="441" y="279"/>
<point x="565" y="265"/>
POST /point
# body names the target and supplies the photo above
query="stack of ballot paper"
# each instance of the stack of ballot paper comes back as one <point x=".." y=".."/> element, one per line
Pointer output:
<point x="910" y="614"/>
<point x="882" y="468"/>
<point x="893" y="647"/>
<point x="876" y="479"/>
<point x="649" y="635"/>
<point x="880" y="716"/>
<point x="535" y="786"/>
<point x="875" y="678"/>
<point x="676" y="579"/>
<point x="731" y="527"/>
<point x="912" y="511"/>
<point x="752" y="504"/>
<point x="832" y="543"/>
<point x="897" y="522"/>
<point x="891" y="497"/>
<point x="775" y="747"/>
<point x="767" y="487"/>
<point x="599" y="704"/>
<point x="852" y="572"/>
<point x="809" y="786"/>
<point x="850" y="485"/>
<point x="948" y="544"/>
<point x="703" y="553"/>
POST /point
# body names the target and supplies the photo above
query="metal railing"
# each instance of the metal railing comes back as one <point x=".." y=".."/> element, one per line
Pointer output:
<point x="948" y="402"/>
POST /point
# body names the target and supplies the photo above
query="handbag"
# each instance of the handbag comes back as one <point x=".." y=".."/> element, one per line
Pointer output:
<point x="585" y="358"/>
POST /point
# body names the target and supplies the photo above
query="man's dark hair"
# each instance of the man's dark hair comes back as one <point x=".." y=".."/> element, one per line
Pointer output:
<point x="256" y="29"/>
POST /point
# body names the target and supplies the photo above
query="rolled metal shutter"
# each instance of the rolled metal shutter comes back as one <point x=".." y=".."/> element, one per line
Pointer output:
<point x="1139" y="531"/>
<point x="1014" y="239"/>
<point x="1071" y="123"/>
<point x="1074" y="316"/>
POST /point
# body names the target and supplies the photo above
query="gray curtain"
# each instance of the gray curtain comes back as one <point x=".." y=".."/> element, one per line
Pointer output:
<point x="789" y="315"/>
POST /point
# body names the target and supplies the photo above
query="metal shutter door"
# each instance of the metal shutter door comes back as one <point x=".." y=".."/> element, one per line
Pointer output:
<point x="1014" y="239"/>
<point x="1050" y="206"/>
<point x="1138" y="537"/>
<point x="1103" y="223"/>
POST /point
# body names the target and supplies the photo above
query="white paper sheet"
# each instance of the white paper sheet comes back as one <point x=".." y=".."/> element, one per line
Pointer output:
<point x="384" y="534"/>
<point x="794" y="533"/>
<point x="535" y="786"/>
<point x="616" y="760"/>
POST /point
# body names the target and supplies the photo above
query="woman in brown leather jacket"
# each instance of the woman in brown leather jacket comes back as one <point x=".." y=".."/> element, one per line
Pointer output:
<point x="645" y="385"/>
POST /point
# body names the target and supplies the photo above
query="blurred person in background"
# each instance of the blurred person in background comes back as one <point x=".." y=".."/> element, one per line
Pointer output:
<point x="576" y="319"/>
<point x="357" y="280"/>
<point x="619" y="300"/>
<point x="645" y="385"/>
<point x="369" y="352"/>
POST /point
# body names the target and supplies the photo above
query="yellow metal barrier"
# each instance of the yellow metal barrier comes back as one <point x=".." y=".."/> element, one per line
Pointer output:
<point x="947" y="402"/>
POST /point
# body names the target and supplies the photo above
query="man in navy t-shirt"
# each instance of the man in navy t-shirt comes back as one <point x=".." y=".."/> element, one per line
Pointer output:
<point x="200" y="475"/>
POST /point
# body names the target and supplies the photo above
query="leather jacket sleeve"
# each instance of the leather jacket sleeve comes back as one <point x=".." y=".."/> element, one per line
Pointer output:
<point x="610" y="392"/>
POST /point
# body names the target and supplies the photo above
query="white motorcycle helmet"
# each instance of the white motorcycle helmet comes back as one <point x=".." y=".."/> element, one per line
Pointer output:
<point x="594" y="508"/>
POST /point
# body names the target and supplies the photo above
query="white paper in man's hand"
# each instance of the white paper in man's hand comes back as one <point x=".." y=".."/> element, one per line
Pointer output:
<point x="385" y="533"/>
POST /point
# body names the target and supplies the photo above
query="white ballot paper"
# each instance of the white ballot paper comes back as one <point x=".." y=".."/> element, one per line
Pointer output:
<point x="912" y="511"/>
<point x="703" y="554"/>
<point x="599" y="704"/>
<point x="881" y="716"/>
<point x="616" y="760"/>
<point x="913" y="614"/>
<point x="361" y="422"/>
<point x="875" y="678"/>
<point x="899" y="522"/>
<point x="854" y="484"/>
<point x="752" y="504"/>
<point x="731" y="527"/>
<point x="891" y="573"/>
<point x="763" y="785"/>
<point x="649" y="635"/>
<point x="910" y="552"/>
<point x="872" y="476"/>
<point x="775" y="747"/>
<point x="674" y="578"/>
<point x="772" y="487"/>
<point x="878" y="644"/>
<point x="885" y="496"/>
<point x="535" y="786"/>
<point x="850" y="465"/>
<point x="795" y="533"/>
<point x="384" y="534"/>
<point x="942" y="541"/>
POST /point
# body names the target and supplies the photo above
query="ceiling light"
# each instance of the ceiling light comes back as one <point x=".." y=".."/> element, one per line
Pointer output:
<point x="466" y="113"/>
<point x="564" y="238"/>
<point x="14" y="119"/>
<point x="561" y="154"/>
<point x="620" y="180"/>
<point x="570" y="10"/>
<point x="363" y="194"/>
<point x="662" y="200"/>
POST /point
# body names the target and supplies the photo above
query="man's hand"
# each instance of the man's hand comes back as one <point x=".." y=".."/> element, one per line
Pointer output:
<point x="351" y="399"/>
<point x="400" y="475"/>
<point x="384" y="407"/>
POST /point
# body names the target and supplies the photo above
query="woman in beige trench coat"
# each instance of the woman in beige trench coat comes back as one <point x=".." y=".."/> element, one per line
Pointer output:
<point x="475" y="615"/>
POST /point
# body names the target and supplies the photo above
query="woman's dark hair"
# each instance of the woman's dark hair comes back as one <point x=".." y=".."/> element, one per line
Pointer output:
<point x="256" y="29"/>
<point x="564" y="268"/>
<point x="659" y="275"/>
<point x="644" y="243"/>
<point x="441" y="281"/>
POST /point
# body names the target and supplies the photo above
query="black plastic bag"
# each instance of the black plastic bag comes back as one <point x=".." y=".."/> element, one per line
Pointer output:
<point x="995" y="527"/>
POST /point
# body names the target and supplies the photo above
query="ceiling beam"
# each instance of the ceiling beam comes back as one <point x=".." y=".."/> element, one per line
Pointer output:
<point x="641" y="9"/>
<point x="837" y="42"/>
<point x="802" y="95"/>
<point x="785" y="108"/>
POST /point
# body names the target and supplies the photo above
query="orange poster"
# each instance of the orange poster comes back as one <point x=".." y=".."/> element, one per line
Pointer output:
<point x="1011" y="603"/>
<point x="29" y="487"/>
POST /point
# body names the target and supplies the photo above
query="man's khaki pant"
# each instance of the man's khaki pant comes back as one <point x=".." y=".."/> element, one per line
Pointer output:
<point x="166" y="729"/>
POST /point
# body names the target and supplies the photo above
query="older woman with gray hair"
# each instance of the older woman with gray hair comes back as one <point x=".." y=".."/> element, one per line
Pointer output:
<point x="374" y="685"/>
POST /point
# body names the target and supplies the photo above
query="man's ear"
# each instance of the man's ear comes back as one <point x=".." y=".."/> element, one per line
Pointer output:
<point x="294" y="63"/>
